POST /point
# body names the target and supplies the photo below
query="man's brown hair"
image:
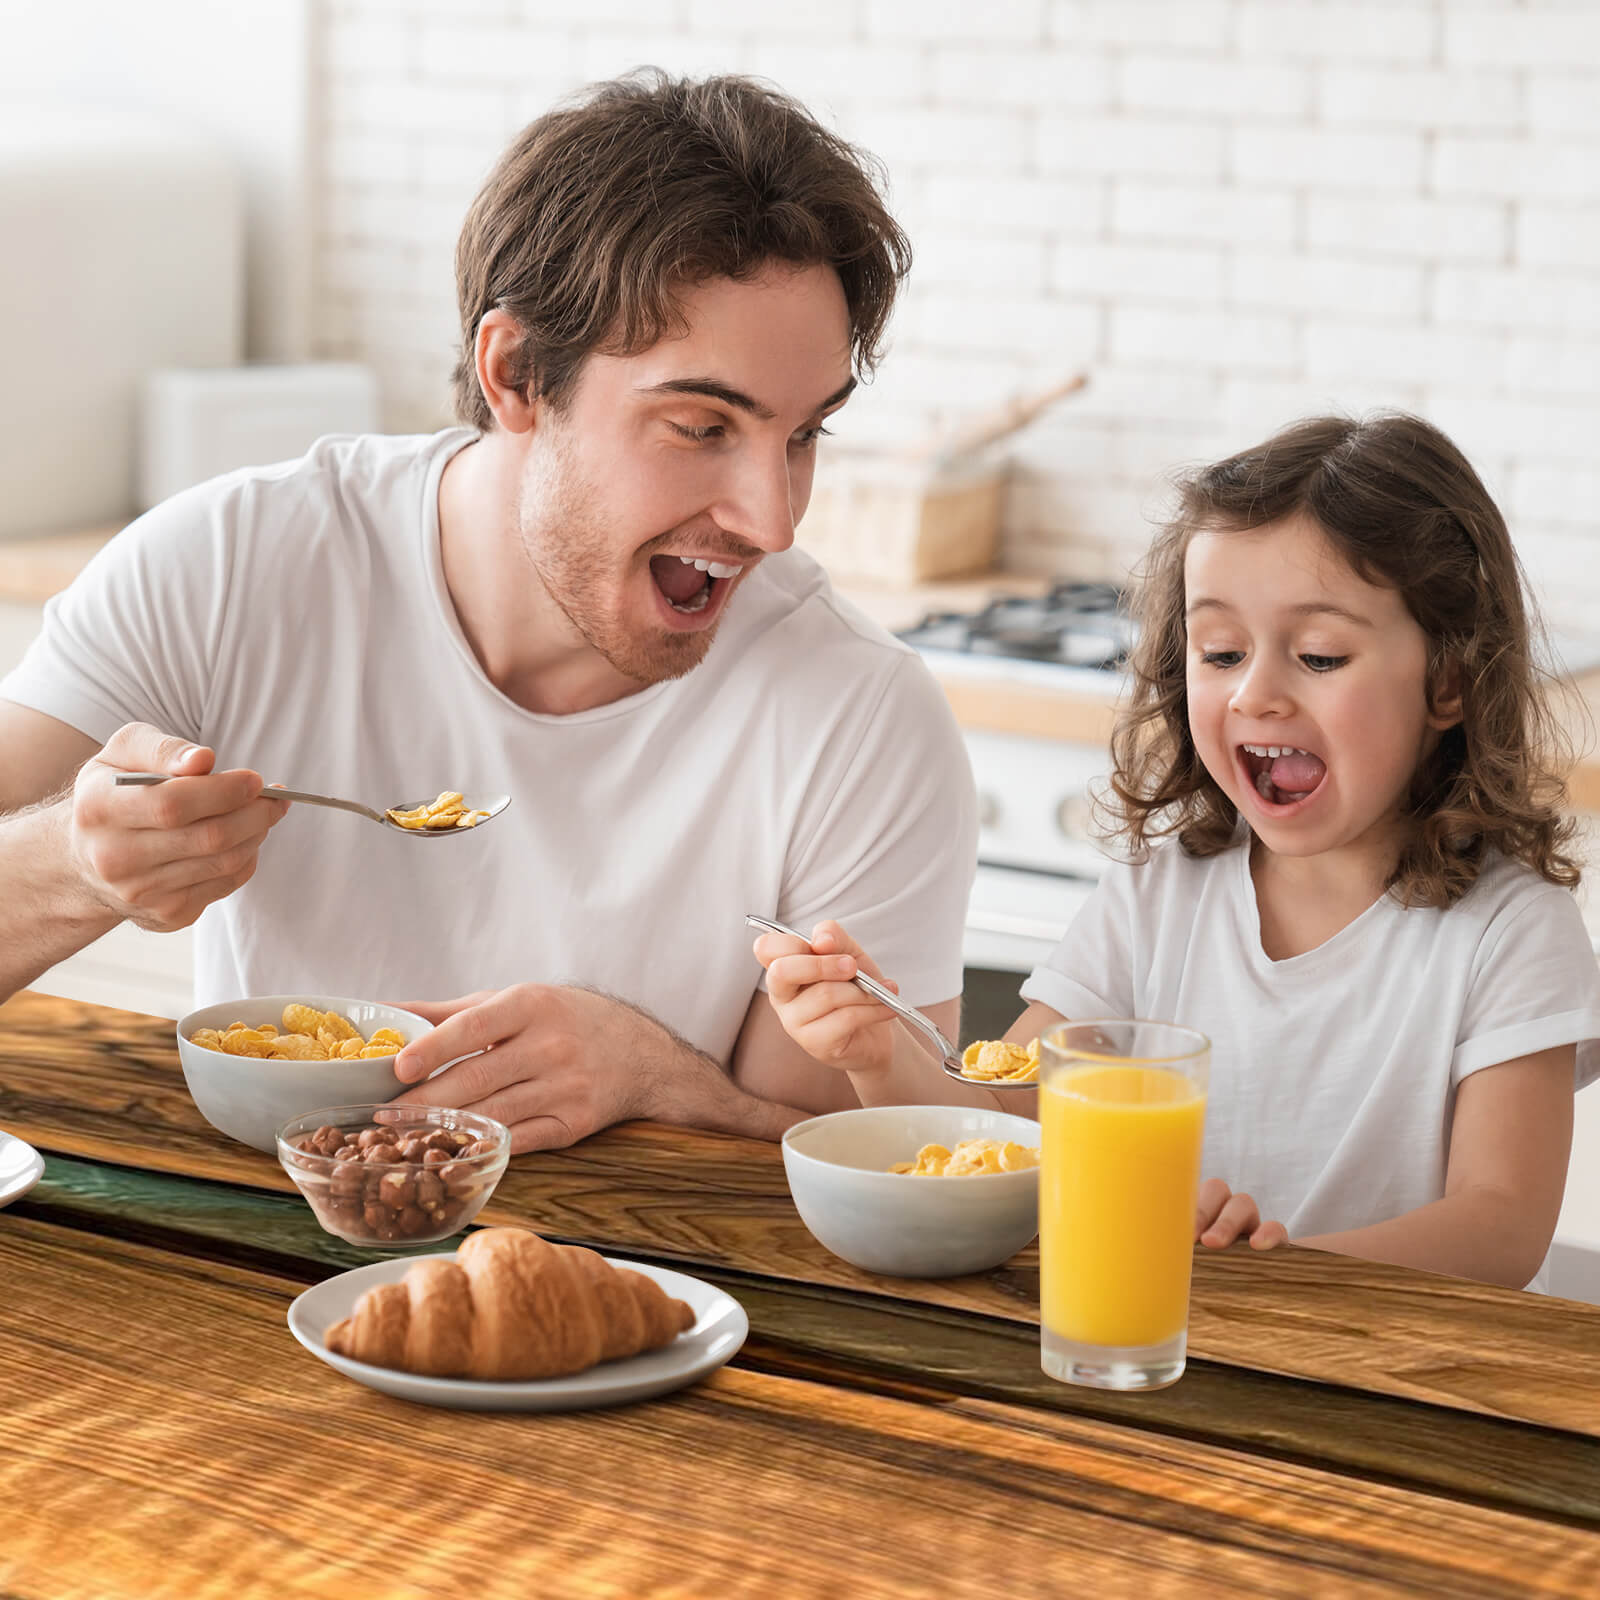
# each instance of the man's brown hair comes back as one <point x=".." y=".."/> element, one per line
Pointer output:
<point x="1403" y="506"/>
<point x="649" y="184"/>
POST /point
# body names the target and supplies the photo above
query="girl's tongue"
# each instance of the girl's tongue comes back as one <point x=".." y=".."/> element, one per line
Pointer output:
<point x="1283" y="779"/>
<point x="1297" y="773"/>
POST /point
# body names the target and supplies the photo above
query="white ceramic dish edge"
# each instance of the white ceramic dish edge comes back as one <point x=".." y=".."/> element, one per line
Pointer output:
<point x="21" y="1166"/>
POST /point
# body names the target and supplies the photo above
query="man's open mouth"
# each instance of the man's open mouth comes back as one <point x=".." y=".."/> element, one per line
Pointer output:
<point x="689" y="583"/>
<point x="1281" y="774"/>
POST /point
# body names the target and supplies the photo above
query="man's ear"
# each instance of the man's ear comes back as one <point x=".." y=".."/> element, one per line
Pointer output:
<point x="1444" y="695"/>
<point x="497" y="354"/>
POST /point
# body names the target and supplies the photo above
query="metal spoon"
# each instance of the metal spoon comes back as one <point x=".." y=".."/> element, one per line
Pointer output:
<point x="950" y="1057"/>
<point x="494" y="805"/>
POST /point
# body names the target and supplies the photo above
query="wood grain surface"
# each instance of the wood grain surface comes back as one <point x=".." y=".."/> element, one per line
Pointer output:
<point x="861" y="1341"/>
<point x="105" y="1085"/>
<point x="164" y="1436"/>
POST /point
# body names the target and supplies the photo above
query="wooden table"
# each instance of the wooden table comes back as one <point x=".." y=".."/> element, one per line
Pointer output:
<point x="1344" y="1429"/>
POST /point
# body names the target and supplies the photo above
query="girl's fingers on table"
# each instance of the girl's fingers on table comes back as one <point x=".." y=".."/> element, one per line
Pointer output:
<point x="1237" y="1219"/>
<point x="1208" y="1203"/>
<point x="1268" y="1236"/>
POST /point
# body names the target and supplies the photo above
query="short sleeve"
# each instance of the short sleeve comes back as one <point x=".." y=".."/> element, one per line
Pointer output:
<point x="886" y="842"/>
<point x="1090" y="973"/>
<point x="133" y="638"/>
<point x="1536" y="985"/>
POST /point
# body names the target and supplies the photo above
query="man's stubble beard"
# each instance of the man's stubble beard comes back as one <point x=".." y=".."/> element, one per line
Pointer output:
<point x="559" y="540"/>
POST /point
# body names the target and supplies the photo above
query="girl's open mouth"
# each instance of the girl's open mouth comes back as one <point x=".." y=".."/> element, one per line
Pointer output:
<point x="1281" y="775"/>
<point x="692" y="588"/>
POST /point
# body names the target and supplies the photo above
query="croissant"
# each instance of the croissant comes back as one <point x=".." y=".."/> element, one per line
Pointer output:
<point x="511" y="1306"/>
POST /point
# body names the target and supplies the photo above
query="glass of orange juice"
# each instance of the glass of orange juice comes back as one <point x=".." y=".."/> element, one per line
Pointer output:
<point x="1122" y="1107"/>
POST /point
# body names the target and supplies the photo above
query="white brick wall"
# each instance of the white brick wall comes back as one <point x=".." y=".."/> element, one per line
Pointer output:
<point x="1232" y="212"/>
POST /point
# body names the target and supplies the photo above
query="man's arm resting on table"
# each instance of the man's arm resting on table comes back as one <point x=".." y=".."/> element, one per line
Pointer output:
<point x="1510" y="1139"/>
<point x="46" y="914"/>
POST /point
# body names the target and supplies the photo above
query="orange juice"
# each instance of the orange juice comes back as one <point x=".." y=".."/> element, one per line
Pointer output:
<point x="1117" y="1186"/>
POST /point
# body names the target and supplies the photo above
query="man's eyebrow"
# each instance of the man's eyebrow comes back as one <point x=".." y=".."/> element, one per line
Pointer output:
<point x="710" y="389"/>
<point x="1306" y="608"/>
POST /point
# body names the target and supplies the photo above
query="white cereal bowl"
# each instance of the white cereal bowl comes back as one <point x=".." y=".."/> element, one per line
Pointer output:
<point x="250" y="1099"/>
<point x="907" y="1227"/>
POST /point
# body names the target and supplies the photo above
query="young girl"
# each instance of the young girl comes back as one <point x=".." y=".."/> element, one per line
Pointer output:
<point x="1345" y="866"/>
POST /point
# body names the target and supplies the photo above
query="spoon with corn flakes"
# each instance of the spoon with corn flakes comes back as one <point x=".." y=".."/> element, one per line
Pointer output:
<point x="451" y="813"/>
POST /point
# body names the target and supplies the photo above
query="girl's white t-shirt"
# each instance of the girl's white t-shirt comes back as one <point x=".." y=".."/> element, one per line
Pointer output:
<point x="296" y="618"/>
<point x="1333" y="1073"/>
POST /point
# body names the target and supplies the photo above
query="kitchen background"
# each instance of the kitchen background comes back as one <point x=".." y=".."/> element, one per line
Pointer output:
<point x="1226" y="212"/>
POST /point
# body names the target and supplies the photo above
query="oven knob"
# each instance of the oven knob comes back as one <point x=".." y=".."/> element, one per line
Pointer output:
<point x="1074" y="817"/>
<point x="988" y="809"/>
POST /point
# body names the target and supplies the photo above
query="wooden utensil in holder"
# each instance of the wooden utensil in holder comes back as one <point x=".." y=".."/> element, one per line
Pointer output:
<point x="931" y="511"/>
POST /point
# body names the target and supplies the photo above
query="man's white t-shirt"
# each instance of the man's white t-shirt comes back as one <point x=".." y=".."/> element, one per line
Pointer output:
<point x="296" y="618"/>
<point x="1333" y="1073"/>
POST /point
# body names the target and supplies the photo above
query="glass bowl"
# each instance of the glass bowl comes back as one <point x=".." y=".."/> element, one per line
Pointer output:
<point x="394" y="1176"/>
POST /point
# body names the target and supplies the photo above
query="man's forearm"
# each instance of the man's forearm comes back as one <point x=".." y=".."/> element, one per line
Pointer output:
<point x="45" y="914"/>
<point x="1475" y="1233"/>
<point x="690" y="1089"/>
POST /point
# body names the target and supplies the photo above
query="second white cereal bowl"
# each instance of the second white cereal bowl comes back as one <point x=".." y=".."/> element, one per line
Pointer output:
<point x="249" y="1099"/>
<point x="906" y="1227"/>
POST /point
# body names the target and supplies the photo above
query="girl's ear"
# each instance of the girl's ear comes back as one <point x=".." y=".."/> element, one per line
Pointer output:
<point x="1444" y="696"/>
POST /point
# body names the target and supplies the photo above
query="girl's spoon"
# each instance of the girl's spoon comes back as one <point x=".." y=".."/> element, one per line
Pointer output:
<point x="485" y="810"/>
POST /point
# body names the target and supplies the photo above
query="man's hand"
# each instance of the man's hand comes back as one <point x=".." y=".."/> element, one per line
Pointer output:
<point x="556" y="1064"/>
<point x="1221" y="1216"/>
<point x="159" y="856"/>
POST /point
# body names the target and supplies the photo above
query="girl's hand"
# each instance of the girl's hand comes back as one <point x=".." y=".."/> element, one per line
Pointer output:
<point x="1221" y="1216"/>
<point x="820" y="1008"/>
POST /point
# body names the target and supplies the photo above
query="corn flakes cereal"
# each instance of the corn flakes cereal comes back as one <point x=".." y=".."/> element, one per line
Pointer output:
<point x="996" y="1061"/>
<point x="970" y="1157"/>
<point x="332" y="1028"/>
<point x="450" y="810"/>
<point x="308" y="1035"/>
<point x="245" y="1042"/>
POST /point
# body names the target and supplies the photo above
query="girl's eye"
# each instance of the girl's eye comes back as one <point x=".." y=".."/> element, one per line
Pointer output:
<point x="1324" y="663"/>
<point x="1222" y="658"/>
<point x="807" y="438"/>
<point x="699" y="435"/>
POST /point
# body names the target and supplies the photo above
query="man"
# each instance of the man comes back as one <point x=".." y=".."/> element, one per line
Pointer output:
<point x="587" y="599"/>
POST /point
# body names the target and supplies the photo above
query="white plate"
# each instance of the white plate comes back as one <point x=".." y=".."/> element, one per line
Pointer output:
<point x="21" y="1166"/>
<point x="720" y="1327"/>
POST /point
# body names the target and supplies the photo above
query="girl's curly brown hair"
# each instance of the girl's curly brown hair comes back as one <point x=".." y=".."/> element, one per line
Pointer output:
<point x="1403" y="506"/>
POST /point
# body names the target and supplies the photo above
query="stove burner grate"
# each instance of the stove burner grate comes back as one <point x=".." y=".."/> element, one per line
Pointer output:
<point x="1075" y="624"/>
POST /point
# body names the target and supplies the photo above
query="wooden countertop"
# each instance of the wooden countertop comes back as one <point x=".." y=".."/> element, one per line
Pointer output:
<point x="1345" y="1428"/>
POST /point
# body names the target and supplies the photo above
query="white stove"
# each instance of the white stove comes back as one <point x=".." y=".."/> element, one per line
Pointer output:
<point x="1037" y="856"/>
